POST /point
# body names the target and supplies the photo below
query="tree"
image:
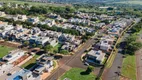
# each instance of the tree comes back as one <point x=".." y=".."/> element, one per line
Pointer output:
<point x="132" y="47"/>
<point x="26" y="43"/>
<point x="131" y="38"/>
<point x="34" y="45"/>
<point x="64" y="52"/>
<point x="48" y="48"/>
<point x="89" y="69"/>
<point x="40" y="46"/>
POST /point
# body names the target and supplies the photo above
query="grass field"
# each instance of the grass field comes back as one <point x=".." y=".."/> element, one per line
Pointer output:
<point x="129" y="67"/>
<point x="31" y="3"/>
<point x="75" y="74"/>
<point x="30" y="63"/>
<point x="4" y="50"/>
<point x="130" y="2"/>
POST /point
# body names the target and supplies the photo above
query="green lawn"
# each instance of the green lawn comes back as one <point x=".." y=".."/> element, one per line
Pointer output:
<point x="57" y="47"/>
<point x="30" y="63"/>
<point x="4" y="50"/>
<point x="77" y="74"/>
<point x="129" y="67"/>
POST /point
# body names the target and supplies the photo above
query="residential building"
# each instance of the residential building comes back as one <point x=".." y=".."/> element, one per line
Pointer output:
<point x="67" y="46"/>
<point x="24" y="74"/>
<point x="4" y="68"/>
<point x="53" y="42"/>
<point x="20" y="18"/>
<point x="95" y="57"/>
<point x="42" y="40"/>
<point x="33" y="20"/>
<point x="44" y="64"/>
<point x="13" y="55"/>
<point x="2" y="14"/>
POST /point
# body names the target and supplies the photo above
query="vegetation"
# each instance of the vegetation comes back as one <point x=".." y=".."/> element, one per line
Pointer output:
<point x="129" y="67"/>
<point x="64" y="52"/>
<point x="38" y="10"/>
<point x="29" y="64"/>
<point x="131" y="44"/>
<point x="78" y="74"/>
<point x="26" y="43"/>
<point x="48" y="48"/>
<point x="57" y="48"/>
<point x="89" y="69"/>
<point x="4" y="50"/>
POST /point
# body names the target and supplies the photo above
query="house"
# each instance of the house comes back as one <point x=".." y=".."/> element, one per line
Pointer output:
<point x="53" y="42"/>
<point x="4" y="68"/>
<point x="35" y="31"/>
<point x="2" y="14"/>
<point x="95" y="57"/>
<point x="33" y="20"/>
<point x="115" y="31"/>
<point x="33" y="39"/>
<point x="20" y="18"/>
<point x="53" y="34"/>
<point x="67" y="46"/>
<point x="5" y="27"/>
<point x="78" y="21"/>
<point x="66" y="37"/>
<point x="77" y="42"/>
<point x="13" y="55"/>
<point x="44" y="64"/>
<point x="2" y="24"/>
<point x="54" y="16"/>
<point x="106" y="44"/>
<point x="7" y="70"/>
<point x="42" y="40"/>
<point x="48" y="22"/>
<point x="100" y="25"/>
<point x="17" y="33"/>
<point x="24" y="74"/>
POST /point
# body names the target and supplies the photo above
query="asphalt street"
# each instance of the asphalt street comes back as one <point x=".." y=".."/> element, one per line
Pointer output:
<point x="73" y="61"/>
<point x="117" y="64"/>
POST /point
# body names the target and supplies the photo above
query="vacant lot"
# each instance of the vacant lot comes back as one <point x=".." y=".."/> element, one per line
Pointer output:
<point x="77" y="74"/>
<point x="4" y="50"/>
<point x="129" y="67"/>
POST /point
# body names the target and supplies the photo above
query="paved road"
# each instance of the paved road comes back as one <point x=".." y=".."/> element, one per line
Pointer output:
<point x="111" y="74"/>
<point x="73" y="61"/>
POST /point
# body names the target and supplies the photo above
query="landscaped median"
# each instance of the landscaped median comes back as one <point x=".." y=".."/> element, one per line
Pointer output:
<point x="114" y="52"/>
<point x="77" y="74"/>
